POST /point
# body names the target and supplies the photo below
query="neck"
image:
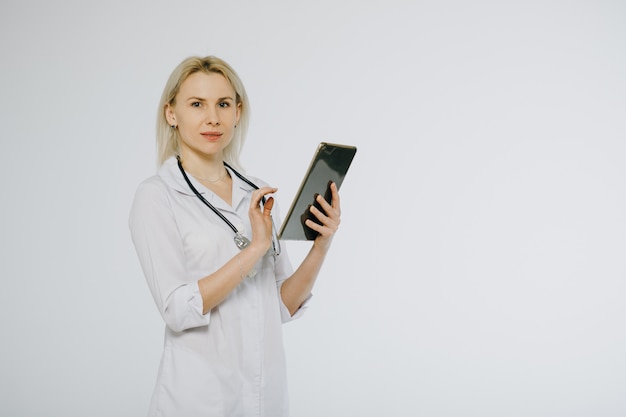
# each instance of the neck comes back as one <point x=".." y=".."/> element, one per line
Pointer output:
<point x="206" y="168"/>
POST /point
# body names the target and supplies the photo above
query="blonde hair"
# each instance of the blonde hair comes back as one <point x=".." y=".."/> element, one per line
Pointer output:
<point x="167" y="138"/>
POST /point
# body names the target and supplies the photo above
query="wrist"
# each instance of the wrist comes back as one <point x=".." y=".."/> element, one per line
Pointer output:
<point x="321" y="245"/>
<point x="257" y="248"/>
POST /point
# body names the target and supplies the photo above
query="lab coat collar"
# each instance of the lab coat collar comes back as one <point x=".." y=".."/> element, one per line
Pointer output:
<point x="170" y="173"/>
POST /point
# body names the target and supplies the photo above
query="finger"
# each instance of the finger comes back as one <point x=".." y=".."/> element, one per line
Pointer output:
<point x="263" y="191"/>
<point x="334" y="192"/>
<point x="328" y="210"/>
<point x="267" y="208"/>
<point x="314" y="226"/>
<point x="258" y="195"/>
<point x="322" y="229"/>
<point x="326" y="220"/>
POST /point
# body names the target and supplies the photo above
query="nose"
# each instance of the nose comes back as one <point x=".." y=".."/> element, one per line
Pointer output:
<point x="212" y="117"/>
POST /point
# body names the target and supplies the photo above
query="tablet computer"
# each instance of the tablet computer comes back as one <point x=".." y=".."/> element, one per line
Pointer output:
<point x="330" y="164"/>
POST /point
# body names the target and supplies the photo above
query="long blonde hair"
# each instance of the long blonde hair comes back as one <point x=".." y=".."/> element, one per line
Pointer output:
<point x="168" y="141"/>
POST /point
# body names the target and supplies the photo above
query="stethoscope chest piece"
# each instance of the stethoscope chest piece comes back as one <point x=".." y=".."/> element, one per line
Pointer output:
<point x="241" y="241"/>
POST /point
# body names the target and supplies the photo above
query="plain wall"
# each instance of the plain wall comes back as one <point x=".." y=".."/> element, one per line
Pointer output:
<point x="480" y="265"/>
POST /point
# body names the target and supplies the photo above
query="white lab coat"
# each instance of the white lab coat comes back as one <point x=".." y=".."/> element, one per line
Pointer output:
<point x="230" y="361"/>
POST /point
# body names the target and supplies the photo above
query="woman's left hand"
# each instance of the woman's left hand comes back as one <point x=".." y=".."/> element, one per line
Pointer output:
<point x="329" y="217"/>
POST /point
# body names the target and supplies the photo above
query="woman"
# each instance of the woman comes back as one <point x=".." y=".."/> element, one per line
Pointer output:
<point x="216" y="276"/>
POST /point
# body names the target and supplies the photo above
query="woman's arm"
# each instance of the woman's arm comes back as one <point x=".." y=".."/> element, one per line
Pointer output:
<point x="297" y="288"/>
<point x="183" y="304"/>
<point x="159" y="247"/>
<point x="215" y="288"/>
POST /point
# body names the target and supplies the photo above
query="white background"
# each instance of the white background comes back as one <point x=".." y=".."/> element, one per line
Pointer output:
<point x="480" y="268"/>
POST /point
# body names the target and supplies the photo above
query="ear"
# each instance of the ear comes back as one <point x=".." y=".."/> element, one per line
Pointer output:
<point x="238" y="115"/>
<point x="170" y="116"/>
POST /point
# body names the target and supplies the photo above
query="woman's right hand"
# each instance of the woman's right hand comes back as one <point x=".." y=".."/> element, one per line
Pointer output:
<point x="260" y="218"/>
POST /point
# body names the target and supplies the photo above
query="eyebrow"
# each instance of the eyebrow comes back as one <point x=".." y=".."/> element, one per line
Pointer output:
<point x="203" y="99"/>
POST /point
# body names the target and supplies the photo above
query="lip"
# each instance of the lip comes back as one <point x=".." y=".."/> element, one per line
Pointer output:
<point x="212" y="136"/>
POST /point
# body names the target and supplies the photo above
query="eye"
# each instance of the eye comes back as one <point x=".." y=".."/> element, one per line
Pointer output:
<point x="196" y="104"/>
<point x="224" y="104"/>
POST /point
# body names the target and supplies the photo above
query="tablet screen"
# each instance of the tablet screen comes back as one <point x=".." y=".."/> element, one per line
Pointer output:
<point x="330" y="164"/>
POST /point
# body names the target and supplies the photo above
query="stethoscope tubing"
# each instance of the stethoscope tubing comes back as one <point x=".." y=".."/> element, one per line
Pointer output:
<point x="204" y="200"/>
<point x="211" y="206"/>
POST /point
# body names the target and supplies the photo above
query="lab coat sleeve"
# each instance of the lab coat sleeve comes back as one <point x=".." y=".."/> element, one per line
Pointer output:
<point x="284" y="311"/>
<point x="160" y="251"/>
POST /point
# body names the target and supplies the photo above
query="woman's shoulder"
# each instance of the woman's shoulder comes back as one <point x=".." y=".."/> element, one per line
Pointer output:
<point x="160" y="182"/>
<point x="151" y="196"/>
<point x="151" y="189"/>
<point x="151" y="184"/>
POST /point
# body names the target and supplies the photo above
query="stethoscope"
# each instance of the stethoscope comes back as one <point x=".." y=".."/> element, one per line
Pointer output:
<point x="240" y="240"/>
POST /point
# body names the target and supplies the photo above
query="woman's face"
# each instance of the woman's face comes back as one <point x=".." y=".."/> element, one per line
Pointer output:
<point x="205" y="113"/>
